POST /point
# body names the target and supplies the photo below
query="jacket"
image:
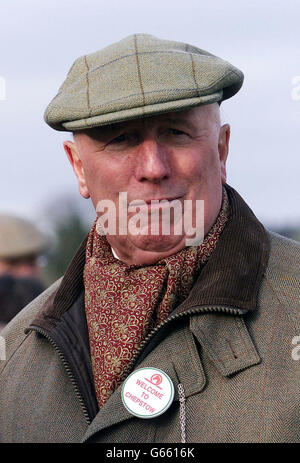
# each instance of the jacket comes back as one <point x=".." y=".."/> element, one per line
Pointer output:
<point x="229" y="345"/>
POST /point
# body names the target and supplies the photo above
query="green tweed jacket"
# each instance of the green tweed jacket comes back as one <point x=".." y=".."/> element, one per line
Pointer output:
<point x="233" y="345"/>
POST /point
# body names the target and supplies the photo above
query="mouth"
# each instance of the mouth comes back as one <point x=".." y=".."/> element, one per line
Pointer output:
<point x="155" y="202"/>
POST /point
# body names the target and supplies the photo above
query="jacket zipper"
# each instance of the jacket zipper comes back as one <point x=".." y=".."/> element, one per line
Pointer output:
<point x="67" y="367"/>
<point x="231" y="310"/>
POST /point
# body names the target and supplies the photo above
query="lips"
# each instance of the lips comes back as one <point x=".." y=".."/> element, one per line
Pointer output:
<point x="140" y="202"/>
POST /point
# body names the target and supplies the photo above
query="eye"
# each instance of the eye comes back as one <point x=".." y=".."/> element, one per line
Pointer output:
<point x="120" y="139"/>
<point x="174" y="136"/>
<point x="176" y="131"/>
<point x="125" y="139"/>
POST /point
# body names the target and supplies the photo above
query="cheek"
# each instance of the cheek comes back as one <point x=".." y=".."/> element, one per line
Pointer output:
<point x="105" y="178"/>
<point x="199" y="165"/>
<point x="187" y="164"/>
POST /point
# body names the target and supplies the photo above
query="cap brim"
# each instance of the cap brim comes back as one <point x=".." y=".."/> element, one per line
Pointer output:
<point x="143" y="111"/>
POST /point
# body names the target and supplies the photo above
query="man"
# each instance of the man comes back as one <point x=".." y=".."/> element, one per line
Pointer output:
<point x="207" y="329"/>
<point x="21" y="243"/>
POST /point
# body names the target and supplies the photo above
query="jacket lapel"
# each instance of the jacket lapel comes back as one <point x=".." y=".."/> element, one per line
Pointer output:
<point x="177" y="356"/>
<point x="224" y="338"/>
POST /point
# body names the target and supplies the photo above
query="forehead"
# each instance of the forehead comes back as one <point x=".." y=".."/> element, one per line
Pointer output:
<point x="193" y="118"/>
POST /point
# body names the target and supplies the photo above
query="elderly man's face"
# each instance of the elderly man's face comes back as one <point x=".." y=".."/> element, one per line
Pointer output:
<point x="180" y="155"/>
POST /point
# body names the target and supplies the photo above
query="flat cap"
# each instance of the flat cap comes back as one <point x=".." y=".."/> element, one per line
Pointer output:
<point x="19" y="238"/>
<point x="137" y="77"/>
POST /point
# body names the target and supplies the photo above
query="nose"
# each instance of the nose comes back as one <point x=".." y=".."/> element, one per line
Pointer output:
<point x="153" y="162"/>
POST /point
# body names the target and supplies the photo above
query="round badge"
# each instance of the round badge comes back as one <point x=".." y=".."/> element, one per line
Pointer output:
<point x="147" y="392"/>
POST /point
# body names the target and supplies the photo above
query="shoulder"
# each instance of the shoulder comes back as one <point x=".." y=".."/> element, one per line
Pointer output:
<point x="14" y="333"/>
<point x="284" y="257"/>
<point x="283" y="272"/>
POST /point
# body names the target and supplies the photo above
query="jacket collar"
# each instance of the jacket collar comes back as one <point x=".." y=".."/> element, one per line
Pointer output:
<point x="230" y="278"/>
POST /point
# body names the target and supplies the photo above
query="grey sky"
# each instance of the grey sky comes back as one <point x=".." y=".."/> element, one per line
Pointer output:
<point x="40" y="40"/>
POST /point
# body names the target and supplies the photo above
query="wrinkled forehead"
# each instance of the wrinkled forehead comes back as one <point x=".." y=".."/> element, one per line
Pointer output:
<point x="195" y="118"/>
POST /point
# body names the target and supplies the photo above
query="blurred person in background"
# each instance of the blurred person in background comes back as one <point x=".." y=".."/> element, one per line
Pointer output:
<point x="21" y="243"/>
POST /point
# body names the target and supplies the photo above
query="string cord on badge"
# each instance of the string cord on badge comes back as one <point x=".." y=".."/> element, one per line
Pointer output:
<point x="182" y="412"/>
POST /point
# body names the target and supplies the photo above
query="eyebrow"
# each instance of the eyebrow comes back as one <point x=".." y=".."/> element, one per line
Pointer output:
<point x="181" y="121"/>
<point x="104" y="132"/>
<point x="111" y="130"/>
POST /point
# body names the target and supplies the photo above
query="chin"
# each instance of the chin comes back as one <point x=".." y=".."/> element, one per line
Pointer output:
<point x="158" y="243"/>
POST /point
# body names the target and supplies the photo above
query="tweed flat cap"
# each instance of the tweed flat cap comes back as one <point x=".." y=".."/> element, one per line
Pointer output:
<point x="137" y="77"/>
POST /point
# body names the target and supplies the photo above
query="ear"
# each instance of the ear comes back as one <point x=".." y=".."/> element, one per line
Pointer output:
<point x="71" y="150"/>
<point x="223" y="146"/>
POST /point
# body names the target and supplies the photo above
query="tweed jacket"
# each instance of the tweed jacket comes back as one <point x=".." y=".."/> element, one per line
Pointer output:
<point x="232" y="345"/>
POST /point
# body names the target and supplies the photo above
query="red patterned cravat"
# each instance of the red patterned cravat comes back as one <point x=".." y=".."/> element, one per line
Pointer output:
<point x="124" y="302"/>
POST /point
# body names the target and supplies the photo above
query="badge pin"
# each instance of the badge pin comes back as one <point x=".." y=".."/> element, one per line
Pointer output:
<point x="147" y="392"/>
